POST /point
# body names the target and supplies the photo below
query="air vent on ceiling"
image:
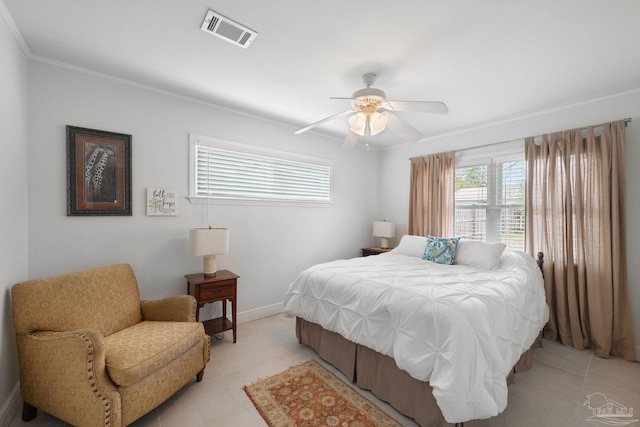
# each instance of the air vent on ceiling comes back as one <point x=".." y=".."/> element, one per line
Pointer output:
<point x="228" y="30"/>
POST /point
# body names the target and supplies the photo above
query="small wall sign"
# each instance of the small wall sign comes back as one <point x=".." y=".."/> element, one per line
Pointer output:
<point x="162" y="202"/>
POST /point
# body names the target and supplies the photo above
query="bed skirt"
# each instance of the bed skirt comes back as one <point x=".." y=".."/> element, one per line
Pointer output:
<point x="373" y="371"/>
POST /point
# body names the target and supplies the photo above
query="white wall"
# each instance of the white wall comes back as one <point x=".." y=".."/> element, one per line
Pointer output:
<point x="394" y="177"/>
<point x="269" y="245"/>
<point x="13" y="192"/>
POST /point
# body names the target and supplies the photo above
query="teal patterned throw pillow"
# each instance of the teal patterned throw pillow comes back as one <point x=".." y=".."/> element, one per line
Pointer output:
<point x="441" y="249"/>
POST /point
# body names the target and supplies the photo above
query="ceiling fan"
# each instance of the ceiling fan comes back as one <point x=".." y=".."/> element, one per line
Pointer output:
<point x="371" y="113"/>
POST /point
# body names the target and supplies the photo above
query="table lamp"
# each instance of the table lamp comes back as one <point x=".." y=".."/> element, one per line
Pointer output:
<point x="384" y="230"/>
<point x="209" y="242"/>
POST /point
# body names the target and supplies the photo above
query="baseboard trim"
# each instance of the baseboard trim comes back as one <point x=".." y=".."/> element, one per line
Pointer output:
<point x="11" y="406"/>
<point x="259" y="313"/>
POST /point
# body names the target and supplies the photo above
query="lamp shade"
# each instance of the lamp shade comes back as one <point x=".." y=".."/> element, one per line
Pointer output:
<point x="377" y="123"/>
<point x="209" y="241"/>
<point x="384" y="229"/>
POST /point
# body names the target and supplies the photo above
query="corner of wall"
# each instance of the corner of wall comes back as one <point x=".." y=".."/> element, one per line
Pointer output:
<point x="10" y="407"/>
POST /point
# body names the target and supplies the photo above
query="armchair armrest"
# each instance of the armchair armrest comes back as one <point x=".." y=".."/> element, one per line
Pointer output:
<point x="180" y="308"/>
<point x="74" y="363"/>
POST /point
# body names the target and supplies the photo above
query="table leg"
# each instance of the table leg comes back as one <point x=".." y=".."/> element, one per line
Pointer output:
<point x="233" y="314"/>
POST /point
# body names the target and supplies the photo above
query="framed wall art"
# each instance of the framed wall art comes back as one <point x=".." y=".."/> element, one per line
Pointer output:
<point x="98" y="172"/>
<point x="162" y="202"/>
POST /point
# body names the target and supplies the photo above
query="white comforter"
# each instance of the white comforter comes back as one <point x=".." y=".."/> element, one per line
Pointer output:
<point x="460" y="328"/>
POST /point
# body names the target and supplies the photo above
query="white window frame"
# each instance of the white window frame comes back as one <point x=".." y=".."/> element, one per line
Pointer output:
<point x="491" y="156"/>
<point x="246" y="152"/>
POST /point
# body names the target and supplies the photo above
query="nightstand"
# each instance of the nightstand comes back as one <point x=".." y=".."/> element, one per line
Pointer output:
<point x="221" y="287"/>
<point x="374" y="251"/>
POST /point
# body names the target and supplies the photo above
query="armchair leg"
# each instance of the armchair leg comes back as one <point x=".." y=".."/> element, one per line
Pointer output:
<point x="28" y="412"/>
<point x="199" y="375"/>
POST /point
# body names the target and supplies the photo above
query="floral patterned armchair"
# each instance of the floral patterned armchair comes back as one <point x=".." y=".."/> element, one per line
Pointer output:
<point x="91" y="353"/>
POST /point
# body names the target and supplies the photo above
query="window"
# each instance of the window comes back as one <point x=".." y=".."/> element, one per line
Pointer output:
<point x="490" y="199"/>
<point x="227" y="170"/>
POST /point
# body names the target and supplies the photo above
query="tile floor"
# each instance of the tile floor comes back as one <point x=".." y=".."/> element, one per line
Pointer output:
<point x="552" y="393"/>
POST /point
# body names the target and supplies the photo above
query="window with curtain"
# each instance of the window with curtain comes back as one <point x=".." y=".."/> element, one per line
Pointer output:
<point x="576" y="200"/>
<point x="431" y="195"/>
<point x="227" y="170"/>
<point x="490" y="198"/>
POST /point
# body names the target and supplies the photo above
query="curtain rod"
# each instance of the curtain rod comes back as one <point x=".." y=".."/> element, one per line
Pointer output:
<point x="625" y="120"/>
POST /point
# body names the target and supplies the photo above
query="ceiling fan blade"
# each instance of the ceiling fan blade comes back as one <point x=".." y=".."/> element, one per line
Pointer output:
<point x="350" y="140"/>
<point x="401" y="128"/>
<point x="418" y="106"/>
<point x="335" y="116"/>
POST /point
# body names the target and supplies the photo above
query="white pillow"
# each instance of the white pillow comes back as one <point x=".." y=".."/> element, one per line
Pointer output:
<point x="479" y="254"/>
<point x="509" y="260"/>
<point x="411" y="246"/>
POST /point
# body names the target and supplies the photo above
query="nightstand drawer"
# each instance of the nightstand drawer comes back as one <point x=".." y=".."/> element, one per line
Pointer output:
<point x="218" y="290"/>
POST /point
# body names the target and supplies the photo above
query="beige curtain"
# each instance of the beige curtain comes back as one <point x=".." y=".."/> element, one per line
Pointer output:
<point x="576" y="217"/>
<point x="431" y="195"/>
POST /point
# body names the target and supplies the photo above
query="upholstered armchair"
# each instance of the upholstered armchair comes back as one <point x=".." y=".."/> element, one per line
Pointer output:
<point x="91" y="353"/>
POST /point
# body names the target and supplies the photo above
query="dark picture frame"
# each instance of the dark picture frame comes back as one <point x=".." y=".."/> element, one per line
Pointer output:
<point x="98" y="172"/>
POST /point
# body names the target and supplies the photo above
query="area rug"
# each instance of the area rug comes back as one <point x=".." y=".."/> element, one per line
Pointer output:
<point x="309" y="395"/>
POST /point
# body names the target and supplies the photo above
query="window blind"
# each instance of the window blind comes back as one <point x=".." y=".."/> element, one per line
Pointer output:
<point x="490" y="202"/>
<point x="222" y="173"/>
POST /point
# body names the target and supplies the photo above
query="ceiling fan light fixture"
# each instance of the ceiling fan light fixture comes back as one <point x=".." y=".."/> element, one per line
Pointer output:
<point x="377" y="123"/>
<point x="371" y="113"/>
<point x="357" y="123"/>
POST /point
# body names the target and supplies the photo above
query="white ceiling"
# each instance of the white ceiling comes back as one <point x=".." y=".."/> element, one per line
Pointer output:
<point x="487" y="60"/>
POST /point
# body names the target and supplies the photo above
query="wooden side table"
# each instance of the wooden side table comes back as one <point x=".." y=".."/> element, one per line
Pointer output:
<point x="221" y="287"/>
<point x="374" y="251"/>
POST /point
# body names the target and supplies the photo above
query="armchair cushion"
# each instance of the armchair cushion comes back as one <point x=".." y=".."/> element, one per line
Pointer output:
<point x="135" y="352"/>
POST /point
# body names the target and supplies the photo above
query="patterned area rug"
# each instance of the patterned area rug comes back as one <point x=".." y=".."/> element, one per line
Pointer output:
<point x="309" y="395"/>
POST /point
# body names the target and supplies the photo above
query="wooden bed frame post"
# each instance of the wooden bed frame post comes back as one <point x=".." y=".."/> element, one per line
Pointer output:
<point x="540" y="261"/>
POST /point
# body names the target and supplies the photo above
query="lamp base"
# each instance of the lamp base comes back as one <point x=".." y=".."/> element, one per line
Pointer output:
<point x="210" y="265"/>
<point x="384" y="243"/>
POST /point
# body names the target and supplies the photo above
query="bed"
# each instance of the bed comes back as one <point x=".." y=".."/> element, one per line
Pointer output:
<point x="438" y="342"/>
